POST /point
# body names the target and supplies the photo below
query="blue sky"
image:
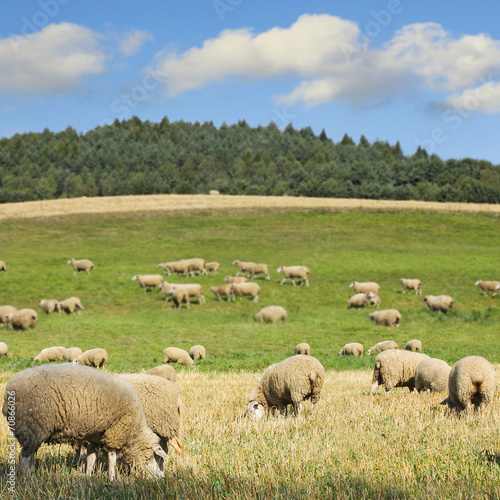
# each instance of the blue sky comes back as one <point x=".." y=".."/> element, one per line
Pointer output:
<point x="421" y="72"/>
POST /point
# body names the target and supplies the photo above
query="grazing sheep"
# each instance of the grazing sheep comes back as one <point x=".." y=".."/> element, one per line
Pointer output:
<point x="382" y="346"/>
<point x="4" y="350"/>
<point x="432" y="375"/>
<point x="291" y="381"/>
<point x="362" y="300"/>
<point x="214" y="192"/>
<point x="243" y="289"/>
<point x="411" y="284"/>
<point x="414" y="345"/>
<point x="488" y="286"/>
<point x="396" y="368"/>
<point x="51" y="354"/>
<point x="148" y="280"/>
<point x="22" y="319"/>
<point x="3" y="267"/>
<point x="255" y="269"/>
<point x="5" y="311"/>
<point x="471" y="382"/>
<point x="303" y="348"/>
<point x="178" y="267"/>
<point x="81" y="265"/>
<point x="352" y="349"/>
<point x="271" y="314"/>
<point x="369" y="286"/>
<point x="49" y="306"/>
<point x="293" y="273"/>
<point x="443" y="303"/>
<point x="235" y="279"/>
<point x="179" y="296"/>
<point x="220" y="291"/>
<point x="176" y="355"/>
<point x="71" y="353"/>
<point x="69" y="306"/>
<point x="57" y="404"/>
<point x="196" y="265"/>
<point x="93" y="357"/>
<point x="193" y="289"/>
<point x="212" y="267"/>
<point x="197" y="352"/>
<point x="373" y="299"/>
<point x="165" y="371"/>
<point x="387" y="317"/>
<point x="242" y="266"/>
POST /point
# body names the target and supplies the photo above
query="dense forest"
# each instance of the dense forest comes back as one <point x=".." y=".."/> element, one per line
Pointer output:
<point x="141" y="157"/>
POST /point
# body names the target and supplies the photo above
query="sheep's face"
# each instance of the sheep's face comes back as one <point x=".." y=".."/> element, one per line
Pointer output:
<point x="255" y="410"/>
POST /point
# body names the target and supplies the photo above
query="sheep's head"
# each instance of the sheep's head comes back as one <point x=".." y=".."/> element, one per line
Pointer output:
<point x="255" y="410"/>
<point x="352" y="284"/>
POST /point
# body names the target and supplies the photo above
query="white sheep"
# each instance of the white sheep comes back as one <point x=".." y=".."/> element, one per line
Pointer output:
<point x="193" y="289"/>
<point x="71" y="353"/>
<point x="197" y="352"/>
<point x="369" y="286"/>
<point x="51" y="354"/>
<point x="69" y="306"/>
<point x="387" y="317"/>
<point x="411" y="284"/>
<point x="255" y="269"/>
<point x="291" y="381"/>
<point x="22" y="319"/>
<point x="244" y="289"/>
<point x="361" y="300"/>
<point x="3" y="267"/>
<point x="148" y="280"/>
<point x="271" y="314"/>
<point x="382" y="346"/>
<point x="178" y="267"/>
<point x="242" y="266"/>
<point x="352" y="349"/>
<point x="57" y="404"/>
<point x="488" y="286"/>
<point x="432" y="375"/>
<point x="414" y="345"/>
<point x="5" y="311"/>
<point x="220" y="291"/>
<point x="303" y="348"/>
<point x="443" y="303"/>
<point x="165" y="371"/>
<point x="214" y="192"/>
<point x="471" y="382"/>
<point x="196" y="265"/>
<point x="235" y="279"/>
<point x="293" y="273"/>
<point x="212" y="267"/>
<point x="179" y="296"/>
<point x="49" y="306"/>
<point x="4" y="350"/>
<point x="396" y="368"/>
<point x="97" y="357"/>
<point x="176" y="355"/>
<point x="81" y="265"/>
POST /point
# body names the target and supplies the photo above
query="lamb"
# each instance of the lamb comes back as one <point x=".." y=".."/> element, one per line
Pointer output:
<point x="165" y="371"/>
<point x="3" y="267"/>
<point x="488" y="286"/>
<point x="387" y="317"/>
<point x="22" y="319"/>
<point x="414" y="345"/>
<point x="382" y="346"/>
<point x="51" y="354"/>
<point x="222" y="290"/>
<point x="235" y="279"/>
<point x="471" y="382"/>
<point x="432" y="375"/>
<point x="5" y="311"/>
<point x="57" y="404"/>
<point x="81" y="265"/>
<point x="396" y="368"/>
<point x="303" y="348"/>
<point x="212" y="267"/>
<point x="4" y="350"/>
<point x="243" y="289"/>
<point x="69" y="306"/>
<point x="411" y="284"/>
<point x="71" y="353"/>
<point x="255" y="269"/>
<point x="97" y="357"/>
<point x="176" y="355"/>
<point x="179" y="296"/>
<point x="49" y="306"/>
<point x="197" y="352"/>
<point x="443" y="303"/>
<point x="271" y="314"/>
<point x="196" y="265"/>
<point x="362" y="300"/>
<point x="352" y="349"/>
<point x="178" y="267"/>
<point x="291" y="381"/>
<point x="148" y="280"/>
<point x="242" y="266"/>
<point x="369" y="286"/>
<point x="294" y="272"/>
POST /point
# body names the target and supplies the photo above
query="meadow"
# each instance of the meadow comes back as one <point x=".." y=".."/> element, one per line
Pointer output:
<point x="353" y="445"/>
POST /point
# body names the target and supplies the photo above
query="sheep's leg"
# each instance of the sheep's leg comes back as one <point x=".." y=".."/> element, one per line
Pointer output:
<point x="26" y="460"/>
<point x="296" y="407"/>
<point x="307" y="281"/>
<point x="111" y="464"/>
<point x="494" y="293"/>
<point x="293" y="281"/>
<point x="282" y="409"/>
<point x="282" y="281"/>
<point x="91" y="458"/>
<point x="256" y="299"/>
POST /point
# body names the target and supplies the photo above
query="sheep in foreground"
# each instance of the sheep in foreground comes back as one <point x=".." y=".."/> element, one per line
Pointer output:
<point x="369" y="286"/>
<point x="49" y="306"/>
<point x="176" y="355"/>
<point x="352" y="349"/>
<point x="303" y="348"/>
<point x="471" y="382"/>
<point x="387" y="317"/>
<point x="197" y="352"/>
<point x="235" y="279"/>
<point x="51" y="354"/>
<point x="256" y="269"/>
<point x="221" y="291"/>
<point x="57" y="404"/>
<point x="414" y="345"/>
<point x="488" y="286"/>
<point x="212" y="267"/>
<point x="69" y="306"/>
<point x="71" y="353"/>
<point x="396" y="368"/>
<point x="4" y="350"/>
<point x="361" y="300"/>
<point x="81" y="265"/>
<point x="432" y="375"/>
<point x="148" y="280"/>
<point x="382" y="346"/>
<point x="93" y="357"/>
<point x="5" y="311"/>
<point x="411" y="284"/>
<point x="291" y="381"/>
<point x="179" y="296"/>
<point x="241" y="266"/>
<point x="443" y="303"/>
<point x="3" y="267"/>
<point x="293" y="273"/>
<point x="22" y="319"/>
<point x="271" y="314"/>
<point x="165" y="371"/>
<point x="244" y="289"/>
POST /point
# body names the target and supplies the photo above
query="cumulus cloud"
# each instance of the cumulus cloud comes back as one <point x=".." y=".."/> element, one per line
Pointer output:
<point x="132" y="42"/>
<point x="55" y="59"/>
<point x="484" y="98"/>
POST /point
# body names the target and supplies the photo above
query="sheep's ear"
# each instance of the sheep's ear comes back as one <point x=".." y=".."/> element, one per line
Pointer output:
<point x="158" y="450"/>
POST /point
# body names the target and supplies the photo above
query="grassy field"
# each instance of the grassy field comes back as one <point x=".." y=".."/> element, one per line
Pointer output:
<point x="355" y="446"/>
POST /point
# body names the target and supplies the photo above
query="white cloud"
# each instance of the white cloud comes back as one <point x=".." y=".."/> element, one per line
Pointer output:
<point x="55" y="59"/>
<point x="484" y="98"/>
<point x="132" y="42"/>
